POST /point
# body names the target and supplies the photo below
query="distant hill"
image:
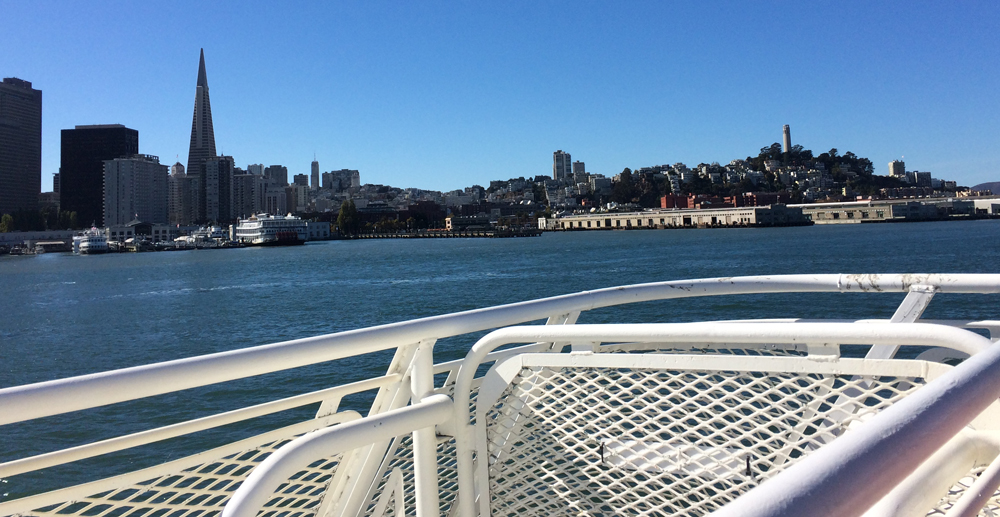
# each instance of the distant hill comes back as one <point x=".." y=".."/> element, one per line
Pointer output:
<point x="992" y="187"/>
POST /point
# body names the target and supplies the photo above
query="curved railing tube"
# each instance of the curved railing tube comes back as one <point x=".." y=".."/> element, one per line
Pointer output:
<point x="302" y="451"/>
<point x="764" y="333"/>
<point x="48" y="398"/>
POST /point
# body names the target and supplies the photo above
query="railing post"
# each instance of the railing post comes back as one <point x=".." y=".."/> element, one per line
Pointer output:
<point x="424" y="440"/>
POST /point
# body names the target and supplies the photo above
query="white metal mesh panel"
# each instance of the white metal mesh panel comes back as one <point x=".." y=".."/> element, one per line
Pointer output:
<point x="203" y="490"/>
<point x="992" y="508"/>
<point x="401" y="456"/>
<point x="602" y="441"/>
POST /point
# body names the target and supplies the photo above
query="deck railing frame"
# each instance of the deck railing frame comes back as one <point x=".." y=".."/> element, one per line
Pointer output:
<point x="22" y="403"/>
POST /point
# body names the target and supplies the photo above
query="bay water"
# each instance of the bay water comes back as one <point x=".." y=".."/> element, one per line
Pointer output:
<point x="63" y="315"/>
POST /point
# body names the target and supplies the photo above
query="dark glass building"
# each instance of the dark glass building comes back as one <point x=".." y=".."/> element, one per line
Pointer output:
<point x="81" y="174"/>
<point x="20" y="145"/>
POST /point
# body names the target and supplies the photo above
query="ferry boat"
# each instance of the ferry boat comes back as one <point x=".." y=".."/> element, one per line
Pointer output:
<point x="740" y="417"/>
<point x="271" y="230"/>
<point x="90" y="242"/>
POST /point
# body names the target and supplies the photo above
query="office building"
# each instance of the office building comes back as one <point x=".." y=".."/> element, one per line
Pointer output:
<point x="182" y="196"/>
<point x="20" y="145"/>
<point x="202" y="133"/>
<point x="55" y="183"/>
<point x="81" y="172"/>
<point x="562" y="166"/>
<point x="218" y="189"/>
<point x="248" y="194"/>
<point x="277" y="175"/>
<point x="135" y="188"/>
<point x="315" y="174"/>
<point x="256" y="168"/>
<point x="897" y="169"/>
<point x="300" y="179"/>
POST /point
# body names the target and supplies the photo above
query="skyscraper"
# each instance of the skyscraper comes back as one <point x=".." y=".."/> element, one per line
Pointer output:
<point x="20" y="145"/>
<point x="277" y="175"/>
<point x="315" y="174"/>
<point x="218" y="187"/>
<point x="562" y="166"/>
<point x="202" y="134"/>
<point x="897" y="169"/>
<point x="182" y="195"/>
<point x="786" y="139"/>
<point x="135" y="187"/>
<point x="81" y="171"/>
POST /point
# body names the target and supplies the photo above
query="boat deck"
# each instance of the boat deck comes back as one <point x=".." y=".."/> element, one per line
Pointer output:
<point x="761" y="417"/>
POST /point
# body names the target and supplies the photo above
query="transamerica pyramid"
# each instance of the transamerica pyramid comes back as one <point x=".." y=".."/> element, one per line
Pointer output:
<point x="202" y="134"/>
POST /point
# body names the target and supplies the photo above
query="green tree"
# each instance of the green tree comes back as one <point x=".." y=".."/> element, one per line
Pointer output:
<point x="348" y="220"/>
<point x="6" y="223"/>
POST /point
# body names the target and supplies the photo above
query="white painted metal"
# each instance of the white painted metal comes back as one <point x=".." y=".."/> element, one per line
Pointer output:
<point x="922" y="489"/>
<point x="425" y="439"/>
<point x="62" y="396"/>
<point x="262" y="482"/>
<point x="909" y="311"/>
<point x="979" y="493"/>
<point x="416" y="467"/>
<point x="838" y="479"/>
<point x="921" y="335"/>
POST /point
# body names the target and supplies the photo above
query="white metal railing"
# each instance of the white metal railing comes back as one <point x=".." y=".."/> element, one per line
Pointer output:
<point x="288" y="460"/>
<point x="403" y="385"/>
<point x="940" y="413"/>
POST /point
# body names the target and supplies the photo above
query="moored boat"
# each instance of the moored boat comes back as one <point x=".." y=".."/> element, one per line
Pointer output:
<point x="271" y="230"/>
<point x="90" y="242"/>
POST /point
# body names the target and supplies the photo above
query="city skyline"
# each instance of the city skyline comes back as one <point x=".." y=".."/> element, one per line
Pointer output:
<point x="461" y="85"/>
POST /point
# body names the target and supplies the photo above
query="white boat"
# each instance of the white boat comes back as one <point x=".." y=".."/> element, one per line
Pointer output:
<point x="90" y="242"/>
<point x="741" y="417"/>
<point x="271" y="230"/>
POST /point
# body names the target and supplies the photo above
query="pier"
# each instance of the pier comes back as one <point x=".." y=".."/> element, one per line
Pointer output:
<point x="449" y="234"/>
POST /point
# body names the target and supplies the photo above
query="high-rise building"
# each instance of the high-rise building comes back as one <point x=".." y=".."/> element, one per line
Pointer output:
<point x="786" y="139"/>
<point x="245" y="188"/>
<point x="300" y="179"/>
<point x="182" y="196"/>
<point x="55" y="183"/>
<point x="256" y="168"/>
<point x="20" y="145"/>
<point x="81" y="170"/>
<point x="135" y="187"/>
<point x="202" y="133"/>
<point x="218" y="187"/>
<point x="562" y="166"/>
<point x="277" y="175"/>
<point x="579" y="168"/>
<point x="897" y="169"/>
<point x="315" y="174"/>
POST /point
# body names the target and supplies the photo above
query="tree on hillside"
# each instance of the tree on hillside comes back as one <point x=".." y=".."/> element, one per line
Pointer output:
<point x="348" y="221"/>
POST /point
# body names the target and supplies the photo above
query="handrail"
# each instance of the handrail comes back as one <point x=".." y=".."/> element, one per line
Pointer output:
<point x="756" y="333"/>
<point x="48" y="398"/>
<point x="297" y="454"/>
<point x="836" y="479"/>
<point x="89" y="450"/>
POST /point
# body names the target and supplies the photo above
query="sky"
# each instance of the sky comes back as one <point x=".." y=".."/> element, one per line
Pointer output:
<point x="444" y="95"/>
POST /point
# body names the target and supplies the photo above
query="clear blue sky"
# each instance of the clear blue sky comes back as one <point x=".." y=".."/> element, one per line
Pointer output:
<point x="442" y="95"/>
